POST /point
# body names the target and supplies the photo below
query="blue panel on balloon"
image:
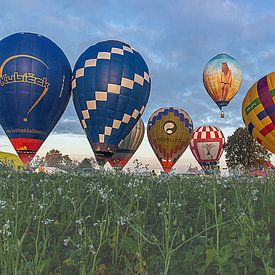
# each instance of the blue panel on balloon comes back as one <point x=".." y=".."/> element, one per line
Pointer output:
<point x="34" y="80"/>
<point x="35" y="85"/>
<point x="111" y="87"/>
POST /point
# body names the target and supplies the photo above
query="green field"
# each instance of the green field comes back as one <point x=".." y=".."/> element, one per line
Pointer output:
<point x="105" y="223"/>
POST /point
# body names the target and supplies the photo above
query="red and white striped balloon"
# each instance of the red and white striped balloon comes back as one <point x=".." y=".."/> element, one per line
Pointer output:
<point x="207" y="146"/>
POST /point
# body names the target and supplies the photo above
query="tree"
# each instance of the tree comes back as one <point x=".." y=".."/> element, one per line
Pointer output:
<point x="87" y="163"/>
<point x="54" y="158"/>
<point x="37" y="161"/>
<point x="244" y="152"/>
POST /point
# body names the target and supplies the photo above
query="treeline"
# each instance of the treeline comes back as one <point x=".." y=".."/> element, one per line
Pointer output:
<point x="54" y="158"/>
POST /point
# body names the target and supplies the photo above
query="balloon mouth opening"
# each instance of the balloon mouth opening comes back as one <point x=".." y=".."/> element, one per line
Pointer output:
<point x="222" y="104"/>
<point x="210" y="167"/>
<point x="102" y="157"/>
<point x="103" y="154"/>
<point x="167" y="169"/>
<point x="103" y="150"/>
<point x="167" y="166"/>
<point x="100" y="161"/>
<point x="26" y="148"/>
<point x="118" y="163"/>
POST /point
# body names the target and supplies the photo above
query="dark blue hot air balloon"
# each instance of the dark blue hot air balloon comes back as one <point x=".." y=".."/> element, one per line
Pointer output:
<point x="35" y="85"/>
<point x="111" y="87"/>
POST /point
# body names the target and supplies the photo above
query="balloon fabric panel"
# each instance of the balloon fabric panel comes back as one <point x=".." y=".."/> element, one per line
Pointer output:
<point x="169" y="133"/>
<point x="128" y="146"/>
<point x="111" y="87"/>
<point x="222" y="78"/>
<point x="258" y="111"/>
<point x="207" y="146"/>
<point x="35" y="84"/>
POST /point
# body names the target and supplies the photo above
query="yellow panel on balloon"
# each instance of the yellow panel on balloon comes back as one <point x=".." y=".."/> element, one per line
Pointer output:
<point x="258" y="111"/>
<point x="169" y="133"/>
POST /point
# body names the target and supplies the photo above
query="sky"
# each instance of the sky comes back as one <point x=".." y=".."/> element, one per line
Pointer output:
<point x="176" y="39"/>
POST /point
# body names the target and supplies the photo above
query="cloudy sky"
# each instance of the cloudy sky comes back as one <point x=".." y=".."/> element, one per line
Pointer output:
<point x="176" y="38"/>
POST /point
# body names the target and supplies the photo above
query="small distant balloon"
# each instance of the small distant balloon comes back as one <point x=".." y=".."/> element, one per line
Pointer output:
<point x="111" y="87"/>
<point x="169" y="132"/>
<point x="258" y="111"/>
<point x="35" y="87"/>
<point x="128" y="146"/>
<point x="222" y="78"/>
<point x="206" y="145"/>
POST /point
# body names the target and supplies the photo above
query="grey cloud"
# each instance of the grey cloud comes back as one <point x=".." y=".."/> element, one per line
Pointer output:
<point x="176" y="38"/>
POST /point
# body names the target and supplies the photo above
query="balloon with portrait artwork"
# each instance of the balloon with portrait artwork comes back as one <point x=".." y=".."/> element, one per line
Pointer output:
<point x="222" y="78"/>
<point x="35" y="86"/>
<point x="169" y="132"/>
<point x="111" y="87"/>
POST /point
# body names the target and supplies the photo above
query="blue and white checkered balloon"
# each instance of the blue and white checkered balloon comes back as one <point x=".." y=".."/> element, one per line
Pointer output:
<point x="111" y="87"/>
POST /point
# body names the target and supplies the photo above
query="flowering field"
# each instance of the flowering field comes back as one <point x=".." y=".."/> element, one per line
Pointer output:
<point x="124" y="224"/>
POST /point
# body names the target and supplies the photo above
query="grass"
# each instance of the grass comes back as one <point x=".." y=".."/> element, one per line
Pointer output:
<point x="107" y="223"/>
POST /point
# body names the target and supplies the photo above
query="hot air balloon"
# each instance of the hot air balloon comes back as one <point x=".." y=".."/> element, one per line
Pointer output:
<point x="35" y="84"/>
<point x="258" y="111"/>
<point x="128" y="146"/>
<point x="207" y="146"/>
<point x="169" y="133"/>
<point x="111" y="87"/>
<point x="222" y="78"/>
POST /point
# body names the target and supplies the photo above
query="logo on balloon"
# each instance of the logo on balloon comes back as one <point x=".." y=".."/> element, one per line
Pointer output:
<point x="26" y="77"/>
<point x="208" y="147"/>
<point x="169" y="127"/>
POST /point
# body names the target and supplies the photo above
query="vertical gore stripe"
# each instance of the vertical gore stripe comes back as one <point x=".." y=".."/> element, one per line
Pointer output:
<point x="265" y="96"/>
<point x="250" y="128"/>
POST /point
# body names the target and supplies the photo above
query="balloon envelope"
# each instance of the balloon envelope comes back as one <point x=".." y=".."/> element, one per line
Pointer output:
<point x="258" y="111"/>
<point x="10" y="159"/>
<point x="35" y="81"/>
<point x="128" y="146"/>
<point x="207" y="146"/>
<point x="222" y="78"/>
<point x="169" y="133"/>
<point x="111" y="87"/>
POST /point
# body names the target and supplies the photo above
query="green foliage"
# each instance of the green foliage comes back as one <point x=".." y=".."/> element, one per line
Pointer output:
<point x="244" y="152"/>
<point x="54" y="158"/>
<point x="87" y="163"/>
<point x="111" y="223"/>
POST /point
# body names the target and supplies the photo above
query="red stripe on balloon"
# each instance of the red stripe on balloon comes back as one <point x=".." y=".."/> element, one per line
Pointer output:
<point x="270" y="127"/>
